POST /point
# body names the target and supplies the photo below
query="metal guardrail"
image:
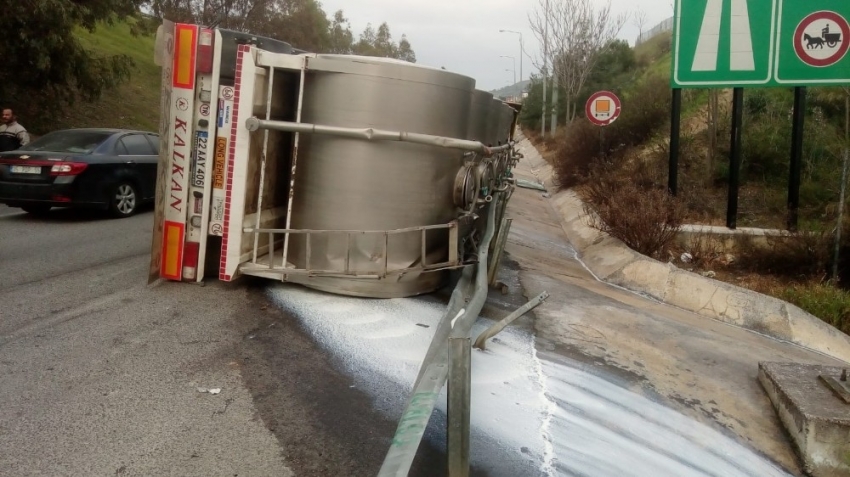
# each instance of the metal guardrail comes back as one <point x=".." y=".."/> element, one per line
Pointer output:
<point x="499" y="246"/>
<point x="464" y="306"/>
<point x="459" y="411"/>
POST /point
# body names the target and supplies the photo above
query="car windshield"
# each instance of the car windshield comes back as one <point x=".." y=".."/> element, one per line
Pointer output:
<point x="75" y="142"/>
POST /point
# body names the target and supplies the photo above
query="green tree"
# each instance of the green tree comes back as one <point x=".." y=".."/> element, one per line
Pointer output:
<point x="45" y="68"/>
<point x="380" y="43"/>
<point x="366" y="45"/>
<point x="302" y="23"/>
<point x="614" y="70"/>
<point x="341" y="40"/>
<point x="239" y="15"/>
<point x="532" y="105"/>
<point x="405" y="52"/>
<point x="384" y="45"/>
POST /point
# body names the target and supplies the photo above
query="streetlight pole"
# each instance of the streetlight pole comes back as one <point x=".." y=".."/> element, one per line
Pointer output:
<point x="511" y="57"/>
<point x="545" y="79"/>
<point x="520" y="50"/>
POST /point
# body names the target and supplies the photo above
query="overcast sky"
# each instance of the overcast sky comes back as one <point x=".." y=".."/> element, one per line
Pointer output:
<point x="463" y="35"/>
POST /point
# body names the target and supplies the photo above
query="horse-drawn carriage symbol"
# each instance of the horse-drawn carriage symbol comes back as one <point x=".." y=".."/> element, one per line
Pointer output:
<point x="830" y="39"/>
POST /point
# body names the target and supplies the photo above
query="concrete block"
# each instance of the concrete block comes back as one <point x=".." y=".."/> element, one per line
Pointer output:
<point x="580" y="235"/>
<point x="568" y="205"/>
<point x="575" y="223"/>
<point x="608" y="256"/>
<point x="645" y="276"/>
<point x="729" y="240"/>
<point x="729" y="303"/>
<point x="815" y="418"/>
<point x="812" y="332"/>
<point x="533" y="159"/>
<point x="547" y="176"/>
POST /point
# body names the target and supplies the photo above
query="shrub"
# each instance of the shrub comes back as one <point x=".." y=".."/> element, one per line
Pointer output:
<point x="647" y="220"/>
<point x="584" y="144"/>
<point x="645" y="110"/>
<point x="802" y="254"/>
<point x="706" y="249"/>
<point x="577" y="152"/>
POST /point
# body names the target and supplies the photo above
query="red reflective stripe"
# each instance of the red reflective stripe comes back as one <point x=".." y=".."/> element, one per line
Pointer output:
<point x="240" y="54"/>
<point x="185" y="49"/>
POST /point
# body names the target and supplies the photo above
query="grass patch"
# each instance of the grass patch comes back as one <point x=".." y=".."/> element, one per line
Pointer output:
<point x="134" y="104"/>
<point x="823" y="300"/>
<point x="654" y="48"/>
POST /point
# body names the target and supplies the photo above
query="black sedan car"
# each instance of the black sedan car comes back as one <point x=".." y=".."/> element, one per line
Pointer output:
<point x="109" y="169"/>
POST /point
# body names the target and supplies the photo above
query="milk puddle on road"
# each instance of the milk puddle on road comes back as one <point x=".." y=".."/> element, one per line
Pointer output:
<point x="529" y="416"/>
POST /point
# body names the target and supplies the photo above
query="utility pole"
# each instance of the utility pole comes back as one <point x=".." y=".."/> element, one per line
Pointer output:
<point x="837" y="252"/>
<point x="553" y="123"/>
<point x="521" y="50"/>
<point x="545" y="59"/>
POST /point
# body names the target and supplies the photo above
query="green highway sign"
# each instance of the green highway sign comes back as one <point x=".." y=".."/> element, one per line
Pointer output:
<point x="760" y="43"/>
<point x="816" y="42"/>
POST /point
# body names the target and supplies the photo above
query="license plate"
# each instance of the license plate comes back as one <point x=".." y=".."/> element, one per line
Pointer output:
<point x="26" y="169"/>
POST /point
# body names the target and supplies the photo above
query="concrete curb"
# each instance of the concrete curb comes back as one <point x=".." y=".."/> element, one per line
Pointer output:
<point x="612" y="261"/>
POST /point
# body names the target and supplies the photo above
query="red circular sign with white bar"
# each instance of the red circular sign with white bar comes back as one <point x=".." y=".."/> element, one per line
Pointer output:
<point x="821" y="39"/>
<point x="602" y="108"/>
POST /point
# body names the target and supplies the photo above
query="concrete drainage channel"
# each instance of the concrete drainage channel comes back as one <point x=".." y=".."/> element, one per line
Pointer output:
<point x="535" y="416"/>
<point x="528" y="414"/>
<point x="812" y="402"/>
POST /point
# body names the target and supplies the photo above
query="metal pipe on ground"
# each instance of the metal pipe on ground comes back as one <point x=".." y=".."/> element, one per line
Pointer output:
<point x="495" y="329"/>
<point x="464" y="306"/>
<point x="530" y="185"/>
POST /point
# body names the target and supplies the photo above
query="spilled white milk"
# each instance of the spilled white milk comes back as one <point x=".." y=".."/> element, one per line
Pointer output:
<point x="546" y="418"/>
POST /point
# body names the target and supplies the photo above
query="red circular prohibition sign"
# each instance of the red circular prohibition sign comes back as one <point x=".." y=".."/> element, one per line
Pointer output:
<point x="842" y="25"/>
<point x="588" y="108"/>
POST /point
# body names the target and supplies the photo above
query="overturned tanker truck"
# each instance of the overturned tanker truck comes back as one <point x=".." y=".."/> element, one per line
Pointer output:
<point x="353" y="175"/>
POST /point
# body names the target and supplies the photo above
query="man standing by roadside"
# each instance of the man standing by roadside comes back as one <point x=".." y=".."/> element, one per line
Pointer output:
<point x="12" y="134"/>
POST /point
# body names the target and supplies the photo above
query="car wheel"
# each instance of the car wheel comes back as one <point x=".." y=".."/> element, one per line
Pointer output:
<point x="124" y="200"/>
<point x="39" y="210"/>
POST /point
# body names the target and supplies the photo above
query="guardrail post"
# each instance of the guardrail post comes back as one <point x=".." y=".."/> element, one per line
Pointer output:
<point x="459" y="390"/>
<point x="501" y="240"/>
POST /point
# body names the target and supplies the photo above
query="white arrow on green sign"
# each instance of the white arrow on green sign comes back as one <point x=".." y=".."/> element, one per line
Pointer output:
<point x="758" y="43"/>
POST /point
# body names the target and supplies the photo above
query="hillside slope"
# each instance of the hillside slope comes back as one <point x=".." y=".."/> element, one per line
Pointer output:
<point x="134" y="104"/>
<point x="511" y="90"/>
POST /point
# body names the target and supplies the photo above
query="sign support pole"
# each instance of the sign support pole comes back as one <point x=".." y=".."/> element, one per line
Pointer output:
<point x="673" y="168"/>
<point x="735" y="157"/>
<point x="796" y="157"/>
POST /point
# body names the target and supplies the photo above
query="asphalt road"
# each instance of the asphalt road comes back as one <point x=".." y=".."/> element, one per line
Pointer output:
<point x="100" y="372"/>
